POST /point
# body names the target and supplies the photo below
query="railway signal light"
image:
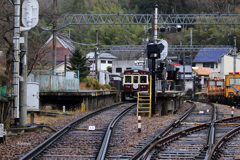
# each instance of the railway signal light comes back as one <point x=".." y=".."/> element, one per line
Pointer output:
<point x="154" y="50"/>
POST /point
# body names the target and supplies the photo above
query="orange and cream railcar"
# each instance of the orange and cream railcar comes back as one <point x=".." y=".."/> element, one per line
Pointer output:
<point x="224" y="91"/>
<point x="232" y="88"/>
<point x="215" y="89"/>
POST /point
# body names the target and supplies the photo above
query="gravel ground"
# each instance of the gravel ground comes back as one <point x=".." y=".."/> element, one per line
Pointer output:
<point x="16" y="146"/>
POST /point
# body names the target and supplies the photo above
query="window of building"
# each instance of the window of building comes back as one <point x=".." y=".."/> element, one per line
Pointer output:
<point x="211" y="65"/>
<point x="119" y="70"/>
<point x="103" y="61"/>
<point x="216" y="65"/>
<point x="90" y="62"/>
<point x="109" y="62"/>
<point x="128" y="79"/>
<point x="128" y="68"/>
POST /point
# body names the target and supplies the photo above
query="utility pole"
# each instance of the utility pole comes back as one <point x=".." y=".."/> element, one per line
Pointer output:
<point x="30" y="13"/>
<point x="16" y="41"/>
<point x="234" y="55"/>
<point x="23" y="80"/>
<point x="54" y="35"/>
<point x="96" y="56"/>
<point x="65" y="65"/>
<point x="184" y="62"/>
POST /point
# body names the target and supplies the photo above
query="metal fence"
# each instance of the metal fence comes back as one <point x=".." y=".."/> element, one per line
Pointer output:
<point x="55" y="81"/>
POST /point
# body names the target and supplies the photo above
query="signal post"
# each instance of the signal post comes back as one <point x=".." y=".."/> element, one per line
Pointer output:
<point x="153" y="51"/>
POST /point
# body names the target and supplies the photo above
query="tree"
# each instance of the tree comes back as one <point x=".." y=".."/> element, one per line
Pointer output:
<point x="109" y="69"/>
<point x="78" y="62"/>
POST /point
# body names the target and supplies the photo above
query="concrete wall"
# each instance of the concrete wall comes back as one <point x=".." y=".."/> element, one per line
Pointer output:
<point x="165" y="105"/>
<point x="93" y="101"/>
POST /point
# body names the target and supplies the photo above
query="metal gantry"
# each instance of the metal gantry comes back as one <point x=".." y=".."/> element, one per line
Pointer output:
<point x="142" y="48"/>
<point x="146" y="19"/>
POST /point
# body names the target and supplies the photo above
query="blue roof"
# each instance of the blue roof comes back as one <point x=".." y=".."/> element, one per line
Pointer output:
<point x="212" y="54"/>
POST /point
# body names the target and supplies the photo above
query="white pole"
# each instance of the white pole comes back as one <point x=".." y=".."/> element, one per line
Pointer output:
<point x="139" y="124"/>
<point x="232" y="111"/>
<point x="155" y="24"/>
<point x="16" y="41"/>
<point x="64" y="109"/>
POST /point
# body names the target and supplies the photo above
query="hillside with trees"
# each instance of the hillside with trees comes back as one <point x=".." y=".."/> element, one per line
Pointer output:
<point x="117" y="34"/>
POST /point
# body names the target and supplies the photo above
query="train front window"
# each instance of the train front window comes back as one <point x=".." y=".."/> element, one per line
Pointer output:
<point x="135" y="79"/>
<point x="212" y="83"/>
<point x="143" y="79"/>
<point x="219" y="83"/>
<point x="234" y="81"/>
<point x="128" y="79"/>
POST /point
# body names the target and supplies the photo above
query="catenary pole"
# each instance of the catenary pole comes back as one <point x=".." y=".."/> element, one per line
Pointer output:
<point x="234" y="55"/>
<point x="96" y="56"/>
<point x="16" y="40"/>
<point x="23" y="80"/>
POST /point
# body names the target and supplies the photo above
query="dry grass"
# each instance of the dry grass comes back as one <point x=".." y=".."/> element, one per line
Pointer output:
<point x="82" y="86"/>
<point x="50" y="120"/>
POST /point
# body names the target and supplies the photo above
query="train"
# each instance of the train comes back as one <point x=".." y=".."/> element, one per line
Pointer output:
<point x="135" y="80"/>
<point x="226" y="91"/>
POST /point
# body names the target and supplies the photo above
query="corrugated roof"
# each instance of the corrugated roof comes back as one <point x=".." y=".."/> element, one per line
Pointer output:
<point x="202" y="70"/>
<point x="101" y="55"/>
<point x="211" y="54"/>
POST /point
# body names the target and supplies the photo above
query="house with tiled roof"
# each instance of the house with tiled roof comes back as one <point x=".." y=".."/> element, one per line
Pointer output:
<point x="211" y="57"/>
<point x="64" y="47"/>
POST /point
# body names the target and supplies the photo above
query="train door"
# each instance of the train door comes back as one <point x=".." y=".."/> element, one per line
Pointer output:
<point x="135" y="83"/>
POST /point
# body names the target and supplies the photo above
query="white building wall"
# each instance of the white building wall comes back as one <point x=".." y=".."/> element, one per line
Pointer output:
<point x="103" y="67"/>
<point x="199" y="65"/>
<point x="188" y="85"/>
<point x="217" y="67"/>
<point x="227" y="64"/>
<point x="124" y="64"/>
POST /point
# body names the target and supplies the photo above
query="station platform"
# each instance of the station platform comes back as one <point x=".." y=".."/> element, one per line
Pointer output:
<point x="168" y="101"/>
<point x="91" y="98"/>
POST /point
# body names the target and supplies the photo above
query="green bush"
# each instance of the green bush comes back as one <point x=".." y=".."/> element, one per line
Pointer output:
<point x="96" y="84"/>
<point x="88" y="81"/>
<point x="107" y="86"/>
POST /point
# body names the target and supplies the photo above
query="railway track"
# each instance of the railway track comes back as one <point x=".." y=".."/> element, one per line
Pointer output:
<point x="227" y="139"/>
<point x="85" y="138"/>
<point x="198" y="114"/>
<point x="196" y="134"/>
<point x="206" y="138"/>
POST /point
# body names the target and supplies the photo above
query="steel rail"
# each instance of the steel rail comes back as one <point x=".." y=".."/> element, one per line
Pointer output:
<point x="165" y="141"/>
<point x="212" y="133"/>
<point x="37" y="151"/>
<point x="217" y="148"/>
<point x="105" y="143"/>
<point x="173" y="125"/>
